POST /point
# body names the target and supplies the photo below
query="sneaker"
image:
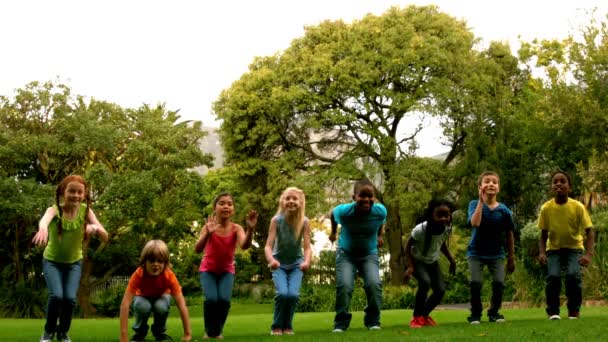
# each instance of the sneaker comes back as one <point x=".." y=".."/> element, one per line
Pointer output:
<point x="288" y="332"/>
<point x="63" y="337"/>
<point x="428" y="320"/>
<point x="474" y="319"/>
<point x="498" y="318"/>
<point x="46" y="337"/>
<point x="417" y="322"/>
<point x="337" y="330"/>
<point x="374" y="327"/>
<point x="276" y="332"/>
<point x="573" y="315"/>
<point x="162" y="338"/>
<point x="554" y="318"/>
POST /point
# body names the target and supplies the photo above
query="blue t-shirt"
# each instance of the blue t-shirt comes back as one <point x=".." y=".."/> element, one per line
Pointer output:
<point x="489" y="239"/>
<point x="359" y="233"/>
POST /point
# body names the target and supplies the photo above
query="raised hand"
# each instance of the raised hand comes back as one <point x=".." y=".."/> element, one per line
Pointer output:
<point x="252" y="219"/>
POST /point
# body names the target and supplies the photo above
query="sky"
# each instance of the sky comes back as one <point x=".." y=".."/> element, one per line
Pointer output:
<point x="184" y="53"/>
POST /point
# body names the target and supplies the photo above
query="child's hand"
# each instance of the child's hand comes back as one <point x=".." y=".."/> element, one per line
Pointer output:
<point x="452" y="267"/>
<point x="510" y="265"/>
<point x="274" y="264"/>
<point x="380" y="241"/>
<point x="542" y="258"/>
<point x="304" y="266"/>
<point x="482" y="193"/>
<point x="408" y="274"/>
<point x="41" y="237"/>
<point x="332" y="237"/>
<point x="211" y="225"/>
<point x="585" y="260"/>
<point x="252" y="219"/>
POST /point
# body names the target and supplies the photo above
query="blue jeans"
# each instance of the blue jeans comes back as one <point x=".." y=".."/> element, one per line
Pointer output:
<point x="566" y="259"/>
<point x="143" y="306"/>
<point x="429" y="277"/>
<point x="287" y="282"/>
<point x="62" y="281"/>
<point x="368" y="267"/>
<point x="217" y="289"/>
<point x="497" y="269"/>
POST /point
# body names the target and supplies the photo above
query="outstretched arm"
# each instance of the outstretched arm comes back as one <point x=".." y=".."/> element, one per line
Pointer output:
<point x="273" y="263"/>
<point x="127" y="299"/>
<point x="42" y="236"/>
<point x="183" y="312"/>
<point x="305" y="265"/>
<point x="94" y="227"/>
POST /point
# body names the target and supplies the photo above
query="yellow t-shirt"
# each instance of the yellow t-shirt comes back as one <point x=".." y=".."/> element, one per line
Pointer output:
<point x="566" y="224"/>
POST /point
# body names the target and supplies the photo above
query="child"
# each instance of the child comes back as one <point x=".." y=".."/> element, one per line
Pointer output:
<point x="289" y="231"/>
<point x="564" y="222"/>
<point x="360" y="236"/>
<point x="422" y="252"/>
<point x="64" y="226"/>
<point x="492" y="227"/>
<point x="219" y="238"/>
<point x="150" y="288"/>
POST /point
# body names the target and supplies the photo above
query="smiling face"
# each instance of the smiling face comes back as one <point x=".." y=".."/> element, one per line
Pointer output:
<point x="364" y="198"/>
<point x="560" y="185"/>
<point x="442" y="216"/>
<point x="291" y="201"/>
<point x="224" y="207"/>
<point x="490" y="185"/>
<point x="74" y="193"/>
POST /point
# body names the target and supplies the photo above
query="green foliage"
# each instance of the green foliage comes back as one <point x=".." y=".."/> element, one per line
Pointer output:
<point x="22" y="301"/>
<point x="108" y="301"/>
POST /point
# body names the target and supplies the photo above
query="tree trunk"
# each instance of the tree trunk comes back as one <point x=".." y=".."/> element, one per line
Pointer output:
<point x="393" y="231"/>
<point x="84" y="291"/>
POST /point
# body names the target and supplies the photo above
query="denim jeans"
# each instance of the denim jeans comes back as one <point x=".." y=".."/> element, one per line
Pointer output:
<point x="429" y="277"/>
<point x="346" y="267"/>
<point x="287" y="282"/>
<point x="62" y="281"/>
<point x="497" y="269"/>
<point x="217" y="289"/>
<point x="143" y="306"/>
<point x="567" y="260"/>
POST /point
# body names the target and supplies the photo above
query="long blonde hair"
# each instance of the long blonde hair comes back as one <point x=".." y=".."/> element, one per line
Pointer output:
<point x="296" y="221"/>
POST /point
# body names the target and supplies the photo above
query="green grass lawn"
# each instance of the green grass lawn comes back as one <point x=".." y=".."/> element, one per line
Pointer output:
<point x="250" y="322"/>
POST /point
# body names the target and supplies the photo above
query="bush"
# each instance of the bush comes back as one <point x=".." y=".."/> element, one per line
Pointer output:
<point x="108" y="301"/>
<point x="21" y="301"/>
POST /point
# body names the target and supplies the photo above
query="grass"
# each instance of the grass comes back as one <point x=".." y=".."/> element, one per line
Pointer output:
<point x="252" y="323"/>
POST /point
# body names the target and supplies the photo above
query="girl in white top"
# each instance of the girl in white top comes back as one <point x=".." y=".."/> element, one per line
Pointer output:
<point x="423" y="248"/>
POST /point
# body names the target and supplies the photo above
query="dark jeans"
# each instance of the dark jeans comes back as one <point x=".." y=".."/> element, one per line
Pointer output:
<point x="217" y="289"/>
<point x="368" y="268"/>
<point x="497" y="269"/>
<point x="62" y="281"/>
<point x="429" y="277"/>
<point x="143" y="307"/>
<point x="567" y="260"/>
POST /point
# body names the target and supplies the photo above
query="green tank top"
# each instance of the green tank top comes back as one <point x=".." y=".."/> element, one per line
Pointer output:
<point x="68" y="250"/>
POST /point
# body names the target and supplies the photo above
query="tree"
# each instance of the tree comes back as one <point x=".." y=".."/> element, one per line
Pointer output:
<point x="343" y="98"/>
<point x="136" y="161"/>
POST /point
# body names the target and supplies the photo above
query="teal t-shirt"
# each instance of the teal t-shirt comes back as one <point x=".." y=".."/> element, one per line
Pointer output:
<point x="287" y="247"/>
<point x="359" y="233"/>
<point x="68" y="249"/>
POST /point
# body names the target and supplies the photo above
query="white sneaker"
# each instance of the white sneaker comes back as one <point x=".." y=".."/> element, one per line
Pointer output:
<point x="374" y="327"/>
<point x="475" y="322"/>
<point x="554" y="318"/>
<point x="337" y="330"/>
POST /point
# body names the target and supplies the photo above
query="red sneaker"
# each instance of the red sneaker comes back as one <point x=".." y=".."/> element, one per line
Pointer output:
<point x="428" y="320"/>
<point x="417" y="322"/>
